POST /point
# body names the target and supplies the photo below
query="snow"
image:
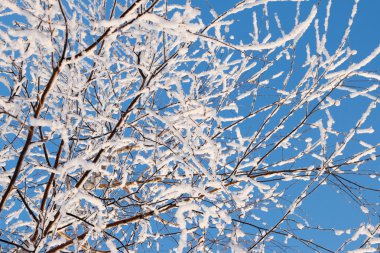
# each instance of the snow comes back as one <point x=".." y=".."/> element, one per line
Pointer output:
<point x="187" y="126"/>
<point x="364" y="209"/>
<point x="369" y="130"/>
<point x="296" y="32"/>
<point x="356" y="66"/>
<point x="363" y="250"/>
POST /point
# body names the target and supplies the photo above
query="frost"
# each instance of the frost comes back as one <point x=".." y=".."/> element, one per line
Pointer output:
<point x="308" y="140"/>
<point x="232" y="107"/>
<point x="363" y="250"/>
<point x="111" y="246"/>
<point x="365" y="131"/>
<point x="364" y="209"/>
<point x="375" y="241"/>
<point x="355" y="66"/>
<point x="176" y="126"/>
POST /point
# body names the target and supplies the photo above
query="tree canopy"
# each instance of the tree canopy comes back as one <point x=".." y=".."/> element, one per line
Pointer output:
<point x="187" y="126"/>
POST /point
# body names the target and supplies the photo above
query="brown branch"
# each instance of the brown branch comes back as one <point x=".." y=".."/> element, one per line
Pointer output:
<point x="47" y="189"/>
<point x="40" y="106"/>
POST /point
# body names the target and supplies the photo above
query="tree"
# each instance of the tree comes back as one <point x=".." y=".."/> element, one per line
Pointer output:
<point x="167" y="125"/>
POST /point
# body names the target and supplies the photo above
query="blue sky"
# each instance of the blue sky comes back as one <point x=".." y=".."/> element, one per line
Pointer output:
<point x="329" y="206"/>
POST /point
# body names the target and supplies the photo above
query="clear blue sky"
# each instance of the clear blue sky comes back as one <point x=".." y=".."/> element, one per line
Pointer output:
<point x="327" y="207"/>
